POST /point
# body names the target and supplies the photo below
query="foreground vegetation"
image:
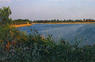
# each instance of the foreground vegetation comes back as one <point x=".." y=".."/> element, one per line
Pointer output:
<point x="16" y="46"/>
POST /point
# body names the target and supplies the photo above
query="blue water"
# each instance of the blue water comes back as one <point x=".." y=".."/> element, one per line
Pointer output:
<point x="85" y="33"/>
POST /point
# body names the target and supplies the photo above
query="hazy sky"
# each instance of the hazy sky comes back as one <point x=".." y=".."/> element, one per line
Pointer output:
<point x="50" y="9"/>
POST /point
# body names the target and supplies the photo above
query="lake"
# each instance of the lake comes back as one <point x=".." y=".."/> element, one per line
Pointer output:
<point x="85" y="33"/>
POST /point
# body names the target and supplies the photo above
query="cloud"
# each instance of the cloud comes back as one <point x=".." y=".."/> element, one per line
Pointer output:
<point x="5" y="0"/>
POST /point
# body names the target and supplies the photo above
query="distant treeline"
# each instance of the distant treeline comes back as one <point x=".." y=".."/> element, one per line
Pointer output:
<point x="25" y="21"/>
<point x="21" y="21"/>
<point x="56" y="20"/>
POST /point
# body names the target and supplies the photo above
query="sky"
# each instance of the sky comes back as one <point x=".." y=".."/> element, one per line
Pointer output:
<point x="50" y="9"/>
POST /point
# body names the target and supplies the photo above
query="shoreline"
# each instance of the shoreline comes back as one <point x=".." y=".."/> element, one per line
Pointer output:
<point x="23" y="25"/>
<point x="65" y="23"/>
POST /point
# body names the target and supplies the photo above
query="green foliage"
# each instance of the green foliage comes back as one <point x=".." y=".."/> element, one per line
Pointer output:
<point x="5" y="12"/>
<point x="32" y="48"/>
<point x="21" y="21"/>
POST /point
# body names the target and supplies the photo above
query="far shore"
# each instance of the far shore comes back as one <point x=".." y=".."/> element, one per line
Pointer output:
<point x="23" y="25"/>
<point x="64" y="23"/>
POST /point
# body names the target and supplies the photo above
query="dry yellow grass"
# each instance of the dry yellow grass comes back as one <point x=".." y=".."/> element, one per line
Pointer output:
<point x="21" y="25"/>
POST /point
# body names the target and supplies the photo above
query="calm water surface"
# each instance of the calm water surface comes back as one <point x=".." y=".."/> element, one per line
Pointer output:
<point x="85" y="33"/>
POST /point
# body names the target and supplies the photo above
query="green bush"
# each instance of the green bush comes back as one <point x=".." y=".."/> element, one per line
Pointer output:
<point x="36" y="49"/>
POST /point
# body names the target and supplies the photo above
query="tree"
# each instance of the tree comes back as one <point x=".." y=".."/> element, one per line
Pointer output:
<point x="5" y="12"/>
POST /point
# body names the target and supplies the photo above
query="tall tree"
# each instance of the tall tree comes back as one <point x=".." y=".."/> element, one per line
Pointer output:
<point x="5" y="12"/>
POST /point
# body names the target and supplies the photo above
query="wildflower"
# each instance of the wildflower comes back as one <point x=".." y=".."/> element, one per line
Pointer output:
<point x="8" y="46"/>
